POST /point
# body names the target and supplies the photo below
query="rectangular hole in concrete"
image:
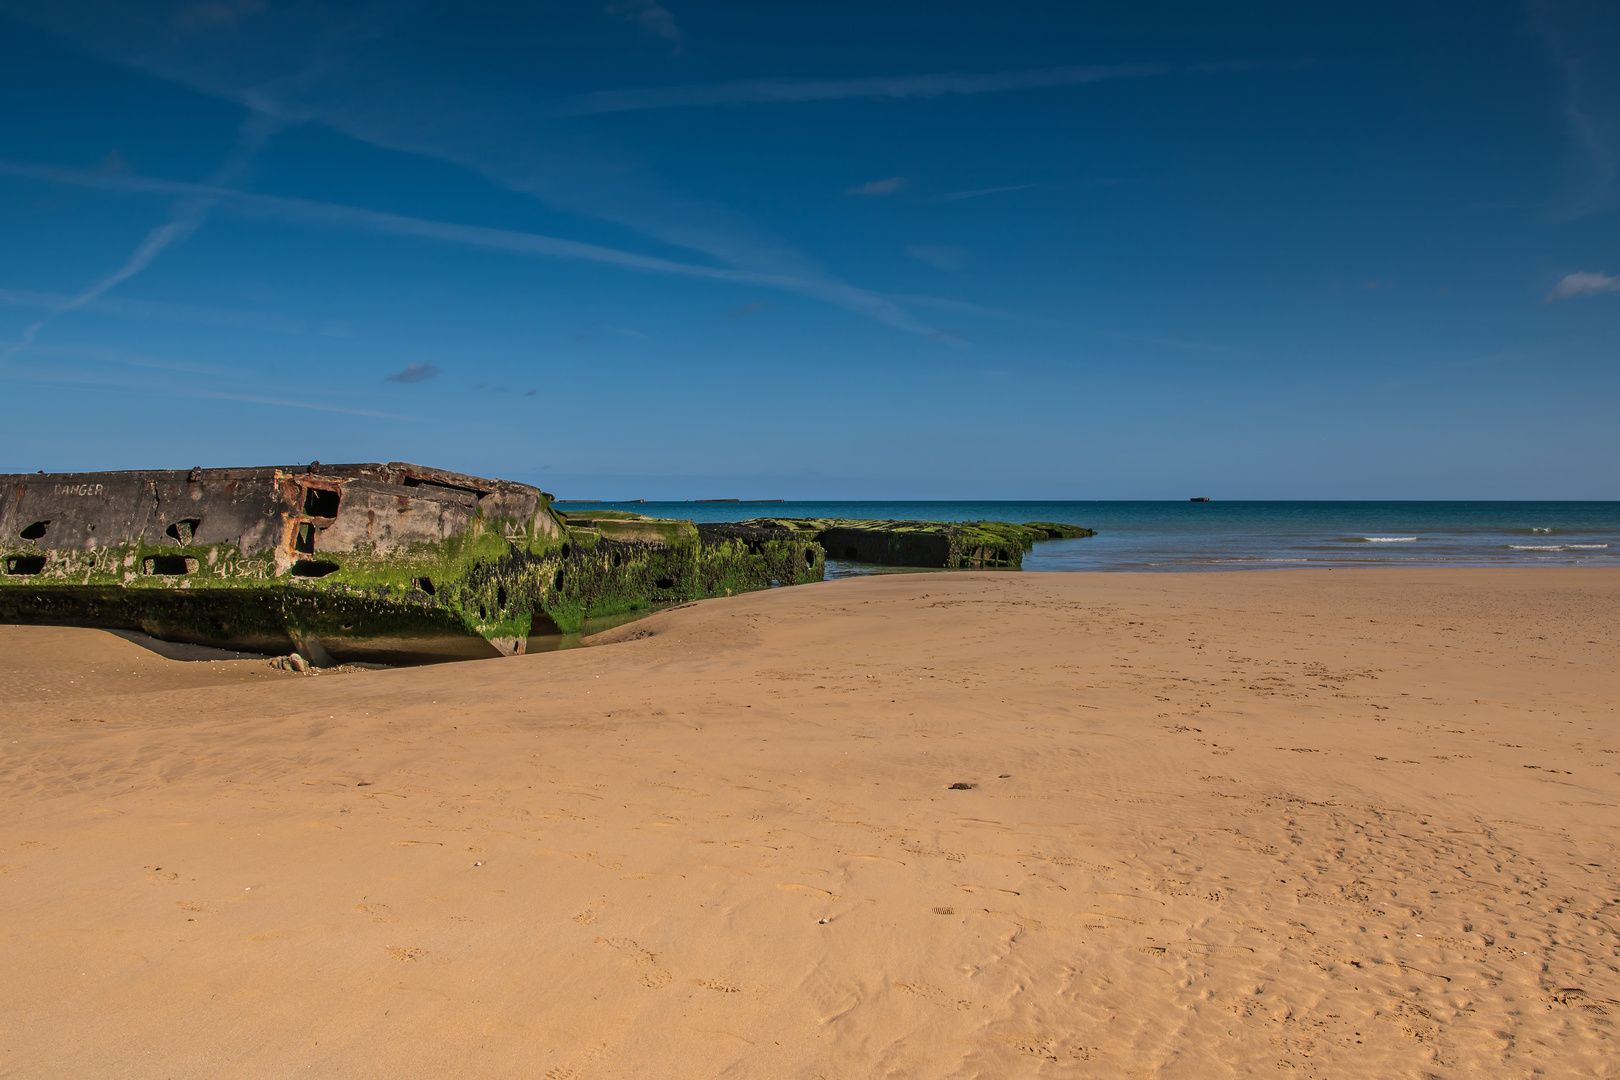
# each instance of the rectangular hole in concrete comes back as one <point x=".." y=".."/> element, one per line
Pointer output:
<point x="318" y="502"/>
<point x="183" y="530"/>
<point x="304" y="540"/>
<point x="25" y="564"/>
<point x="313" y="568"/>
<point x="168" y="565"/>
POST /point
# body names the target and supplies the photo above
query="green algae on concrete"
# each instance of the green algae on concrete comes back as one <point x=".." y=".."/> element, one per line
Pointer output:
<point x="1056" y="530"/>
<point x="944" y="545"/>
<point x="395" y="562"/>
<point x="403" y="564"/>
<point x="622" y="562"/>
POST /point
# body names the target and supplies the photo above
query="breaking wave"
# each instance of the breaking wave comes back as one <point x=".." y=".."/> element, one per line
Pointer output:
<point x="1557" y="547"/>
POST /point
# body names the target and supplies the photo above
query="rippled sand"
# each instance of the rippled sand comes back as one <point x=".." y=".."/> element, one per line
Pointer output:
<point x="1299" y="823"/>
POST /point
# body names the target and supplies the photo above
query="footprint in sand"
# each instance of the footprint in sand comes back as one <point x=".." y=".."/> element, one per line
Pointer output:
<point x="652" y="976"/>
<point x="590" y="914"/>
<point x="1027" y="1042"/>
<point x="379" y="912"/>
<point x="405" y="953"/>
<point x="935" y="996"/>
<point x="718" y="985"/>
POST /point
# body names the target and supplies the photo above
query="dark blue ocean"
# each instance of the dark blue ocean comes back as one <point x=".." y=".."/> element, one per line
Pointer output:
<point x="1169" y="536"/>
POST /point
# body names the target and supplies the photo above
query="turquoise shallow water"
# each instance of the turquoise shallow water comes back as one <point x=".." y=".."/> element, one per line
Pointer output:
<point x="1170" y="536"/>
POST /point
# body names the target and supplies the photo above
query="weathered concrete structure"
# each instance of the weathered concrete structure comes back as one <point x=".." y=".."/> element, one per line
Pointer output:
<point x="391" y="563"/>
<point x="399" y="563"/>
<point x="394" y="563"/>
<point x="624" y="561"/>
<point x="943" y="545"/>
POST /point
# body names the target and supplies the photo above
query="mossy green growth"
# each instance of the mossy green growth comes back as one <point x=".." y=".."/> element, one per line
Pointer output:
<point x="497" y="579"/>
<point x="946" y="545"/>
<point x="1057" y="530"/>
<point x="631" y="563"/>
<point x="575" y="517"/>
<point x="129" y="566"/>
<point x="432" y="588"/>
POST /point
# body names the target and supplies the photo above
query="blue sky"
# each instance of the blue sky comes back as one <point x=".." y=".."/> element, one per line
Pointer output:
<point x="648" y="248"/>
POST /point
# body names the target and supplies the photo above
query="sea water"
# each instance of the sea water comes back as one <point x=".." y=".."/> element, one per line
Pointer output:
<point x="1169" y="536"/>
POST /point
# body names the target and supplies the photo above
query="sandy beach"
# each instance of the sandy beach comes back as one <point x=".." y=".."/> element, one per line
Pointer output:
<point x="1299" y="823"/>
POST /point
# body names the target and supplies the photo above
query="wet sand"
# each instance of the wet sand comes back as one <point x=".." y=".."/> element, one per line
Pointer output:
<point x="1301" y="823"/>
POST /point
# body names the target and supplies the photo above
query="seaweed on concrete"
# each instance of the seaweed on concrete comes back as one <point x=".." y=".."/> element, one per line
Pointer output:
<point x="404" y="564"/>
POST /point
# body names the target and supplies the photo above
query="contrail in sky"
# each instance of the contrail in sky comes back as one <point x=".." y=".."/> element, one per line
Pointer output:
<point x="306" y="211"/>
<point x="766" y="91"/>
<point x="187" y="215"/>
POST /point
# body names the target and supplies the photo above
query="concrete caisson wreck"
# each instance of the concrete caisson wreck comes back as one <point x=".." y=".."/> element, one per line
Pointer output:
<point x="403" y="564"/>
<point x="391" y="563"/>
<point x="941" y="545"/>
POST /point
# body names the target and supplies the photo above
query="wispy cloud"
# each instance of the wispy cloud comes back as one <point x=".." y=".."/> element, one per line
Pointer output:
<point x="1218" y="67"/>
<point x="214" y="15"/>
<point x="291" y="403"/>
<point x="380" y="74"/>
<point x="101" y="354"/>
<point x="1584" y="41"/>
<point x="1583" y="284"/>
<point x="956" y="196"/>
<point x="878" y="187"/>
<point x="186" y="216"/>
<point x="653" y="18"/>
<point x="58" y="373"/>
<point x="938" y="256"/>
<point x="768" y="91"/>
<point x="413" y="373"/>
<point x="748" y="309"/>
<point x="335" y="215"/>
<point x="331" y="215"/>
<point x="968" y="308"/>
<point x="159" y="310"/>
